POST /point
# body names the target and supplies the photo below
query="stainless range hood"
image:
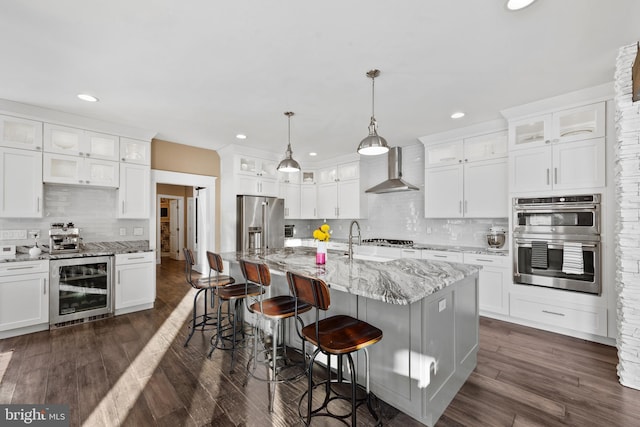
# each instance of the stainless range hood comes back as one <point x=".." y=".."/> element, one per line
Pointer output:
<point x="395" y="182"/>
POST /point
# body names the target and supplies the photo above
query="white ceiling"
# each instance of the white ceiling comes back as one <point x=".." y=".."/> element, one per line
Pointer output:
<point x="198" y="72"/>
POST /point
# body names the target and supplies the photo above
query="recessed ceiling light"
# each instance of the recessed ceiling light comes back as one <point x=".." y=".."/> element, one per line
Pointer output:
<point x="87" y="97"/>
<point x="518" y="4"/>
<point x="241" y="136"/>
<point x="457" y="115"/>
<point x="313" y="154"/>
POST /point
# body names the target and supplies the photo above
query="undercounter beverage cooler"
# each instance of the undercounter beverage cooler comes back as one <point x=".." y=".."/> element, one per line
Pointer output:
<point x="80" y="288"/>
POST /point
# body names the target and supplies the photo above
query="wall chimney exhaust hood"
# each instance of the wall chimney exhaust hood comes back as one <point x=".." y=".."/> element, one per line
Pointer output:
<point x="395" y="182"/>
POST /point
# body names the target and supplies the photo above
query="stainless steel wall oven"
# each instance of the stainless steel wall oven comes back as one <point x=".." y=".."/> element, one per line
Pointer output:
<point x="556" y="242"/>
<point x="80" y="288"/>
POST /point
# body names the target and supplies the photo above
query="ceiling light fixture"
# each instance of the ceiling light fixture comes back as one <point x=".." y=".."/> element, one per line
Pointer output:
<point x="87" y="97"/>
<point x="288" y="164"/>
<point x="457" y="115"/>
<point x="373" y="144"/>
<point x="518" y="4"/>
<point x="241" y="136"/>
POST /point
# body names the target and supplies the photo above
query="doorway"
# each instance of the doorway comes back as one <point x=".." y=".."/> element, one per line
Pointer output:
<point x="204" y="210"/>
<point x="171" y="224"/>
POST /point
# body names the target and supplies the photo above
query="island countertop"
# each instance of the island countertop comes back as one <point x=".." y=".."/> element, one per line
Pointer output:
<point x="399" y="281"/>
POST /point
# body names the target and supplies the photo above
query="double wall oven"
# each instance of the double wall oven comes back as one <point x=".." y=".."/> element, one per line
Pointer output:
<point x="556" y="242"/>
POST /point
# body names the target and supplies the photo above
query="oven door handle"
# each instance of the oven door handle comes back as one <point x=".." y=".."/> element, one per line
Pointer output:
<point x="554" y="244"/>
<point x="552" y="209"/>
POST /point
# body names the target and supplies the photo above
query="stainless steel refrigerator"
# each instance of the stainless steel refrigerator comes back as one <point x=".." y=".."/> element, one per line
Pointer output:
<point x="260" y="223"/>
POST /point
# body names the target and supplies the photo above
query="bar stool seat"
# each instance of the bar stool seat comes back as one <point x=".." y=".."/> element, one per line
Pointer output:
<point x="279" y="307"/>
<point x="342" y="334"/>
<point x="339" y="336"/>
<point x="204" y="321"/>
<point x="233" y="294"/>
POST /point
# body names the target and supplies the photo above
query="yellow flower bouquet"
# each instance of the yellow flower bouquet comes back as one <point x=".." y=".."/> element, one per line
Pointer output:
<point x="322" y="235"/>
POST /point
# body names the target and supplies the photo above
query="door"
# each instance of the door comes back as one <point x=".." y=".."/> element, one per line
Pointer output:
<point x="191" y="225"/>
<point x="20" y="183"/>
<point x="176" y="219"/>
<point x="443" y="192"/>
<point x="485" y="189"/>
<point x="530" y="169"/>
<point x="579" y="164"/>
<point x="274" y="223"/>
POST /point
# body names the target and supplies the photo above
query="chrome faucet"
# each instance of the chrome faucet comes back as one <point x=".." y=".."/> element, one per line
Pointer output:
<point x="351" y="236"/>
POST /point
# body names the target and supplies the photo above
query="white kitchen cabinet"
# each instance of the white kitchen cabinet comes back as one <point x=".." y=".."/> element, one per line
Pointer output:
<point x="134" y="191"/>
<point x="63" y="169"/>
<point x="343" y="197"/>
<point x="20" y="183"/>
<point x="493" y="283"/>
<point x="79" y="142"/>
<point x="20" y="133"/>
<point x="590" y="319"/>
<point x="135" y="151"/>
<point x="24" y="297"/>
<point x="256" y="176"/>
<point x="467" y="178"/>
<point x="573" y="124"/>
<point x="308" y="202"/>
<point x="308" y="177"/>
<point x="471" y="190"/>
<point x="436" y="255"/>
<point x="135" y="282"/>
<point x="291" y="195"/>
<point x="559" y="166"/>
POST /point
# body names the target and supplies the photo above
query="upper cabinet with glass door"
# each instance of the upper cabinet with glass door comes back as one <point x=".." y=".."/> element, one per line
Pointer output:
<point x="135" y="151"/>
<point x="254" y="166"/>
<point x="20" y="133"/>
<point x="574" y="124"/>
<point x="444" y="154"/>
<point x="78" y="142"/>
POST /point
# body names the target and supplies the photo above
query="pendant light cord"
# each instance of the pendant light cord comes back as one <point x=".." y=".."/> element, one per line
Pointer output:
<point x="373" y="97"/>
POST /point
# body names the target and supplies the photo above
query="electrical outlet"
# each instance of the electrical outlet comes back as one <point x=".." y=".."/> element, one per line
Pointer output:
<point x="123" y="231"/>
<point x="442" y="305"/>
<point x="137" y="231"/>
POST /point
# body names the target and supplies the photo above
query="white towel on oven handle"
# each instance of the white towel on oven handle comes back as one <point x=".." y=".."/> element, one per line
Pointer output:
<point x="572" y="262"/>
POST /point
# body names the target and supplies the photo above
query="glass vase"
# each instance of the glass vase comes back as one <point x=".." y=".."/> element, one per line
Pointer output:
<point x="321" y="253"/>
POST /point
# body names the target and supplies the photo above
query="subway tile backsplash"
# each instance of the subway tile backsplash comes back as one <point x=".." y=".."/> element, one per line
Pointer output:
<point x="91" y="209"/>
<point x="401" y="215"/>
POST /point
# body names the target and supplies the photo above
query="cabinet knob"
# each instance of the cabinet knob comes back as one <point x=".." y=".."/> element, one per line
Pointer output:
<point x="555" y="140"/>
<point x="460" y="161"/>
<point x="80" y="181"/>
<point x="466" y="160"/>
<point x="86" y="182"/>
<point x="81" y="153"/>
<point x="547" y="141"/>
<point x="88" y="154"/>
<point x="123" y="159"/>
<point x="38" y="148"/>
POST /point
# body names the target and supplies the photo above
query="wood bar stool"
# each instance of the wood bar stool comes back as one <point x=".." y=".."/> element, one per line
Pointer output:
<point x="274" y="310"/>
<point x="233" y="294"/>
<point x="206" y="285"/>
<point x="337" y="335"/>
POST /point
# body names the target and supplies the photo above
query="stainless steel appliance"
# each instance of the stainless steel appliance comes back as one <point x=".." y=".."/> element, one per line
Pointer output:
<point x="556" y="242"/>
<point x="496" y="238"/>
<point x="80" y="288"/>
<point x="260" y="223"/>
<point x="64" y="238"/>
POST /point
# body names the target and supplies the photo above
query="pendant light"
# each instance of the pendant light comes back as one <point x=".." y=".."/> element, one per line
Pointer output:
<point x="288" y="164"/>
<point x="373" y="144"/>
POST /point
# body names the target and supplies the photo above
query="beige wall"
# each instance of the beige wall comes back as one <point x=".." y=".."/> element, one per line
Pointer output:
<point x="170" y="156"/>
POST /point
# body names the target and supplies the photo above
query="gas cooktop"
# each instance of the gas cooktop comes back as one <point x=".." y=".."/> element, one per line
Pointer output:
<point x="397" y="243"/>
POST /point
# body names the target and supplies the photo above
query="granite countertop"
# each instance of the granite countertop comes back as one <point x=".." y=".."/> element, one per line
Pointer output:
<point x="87" y="250"/>
<point x="400" y="281"/>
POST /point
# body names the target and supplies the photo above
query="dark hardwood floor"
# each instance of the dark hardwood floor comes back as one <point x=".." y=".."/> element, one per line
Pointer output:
<point x="133" y="370"/>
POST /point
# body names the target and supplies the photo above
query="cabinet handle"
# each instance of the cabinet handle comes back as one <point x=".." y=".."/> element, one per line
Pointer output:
<point x="21" y="268"/>
<point x="38" y="204"/>
<point x="555" y="175"/>
<point x="440" y="256"/>
<point x="44" y="286"/>
<point x="133" y="257"/>
<point x="118" y="277"/>
<point x="465" y="207"/>
<point x="444" y="159"/>
<point x="484" y="260"/>
<point x="123" y="206"/>
<point x="460" y="206"/>
<point x="547" y="176"/>
<point x="553" y="312"/>
<point x="314" y="211"/>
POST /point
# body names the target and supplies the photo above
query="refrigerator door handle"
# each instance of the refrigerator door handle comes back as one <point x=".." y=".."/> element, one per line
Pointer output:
<point x="265" y="225"/>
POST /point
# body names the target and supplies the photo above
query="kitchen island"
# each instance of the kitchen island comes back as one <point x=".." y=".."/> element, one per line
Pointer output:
<point x="427" y="310"/>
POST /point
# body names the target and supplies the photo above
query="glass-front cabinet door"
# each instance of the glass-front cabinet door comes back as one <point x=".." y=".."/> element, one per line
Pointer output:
<point x="530" y="133"/>
<point x="580" y="123"/>
<point x="443" y="154"/>
<point x="20" y="133"/>
<point x="135" y="151"/>
<point x="102" y="146"/>
<point x="62" y="139"/>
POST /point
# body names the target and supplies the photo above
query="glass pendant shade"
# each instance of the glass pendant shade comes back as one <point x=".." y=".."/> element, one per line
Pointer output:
<point x="288" y="164"/>
<point x="373" y="144"/>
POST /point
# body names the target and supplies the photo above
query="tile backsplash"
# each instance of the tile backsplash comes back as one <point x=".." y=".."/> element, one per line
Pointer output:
<point x="91" y="209"/>
<point x="401" y="215"/>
